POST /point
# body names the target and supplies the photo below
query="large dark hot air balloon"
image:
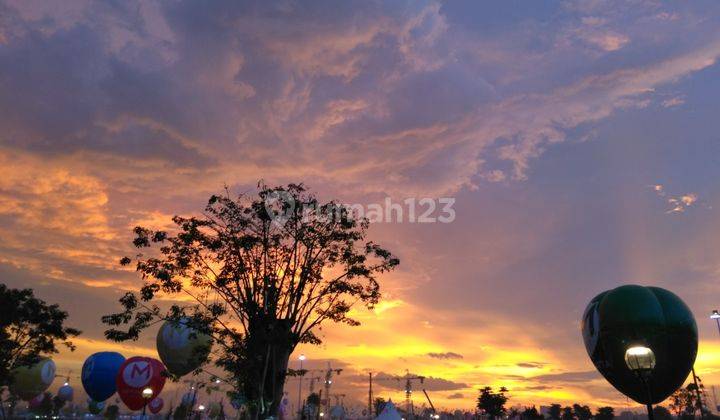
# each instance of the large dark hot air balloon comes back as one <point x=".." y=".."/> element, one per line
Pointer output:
<point x="182" y="348"/>
<point x="136" y="374"/>
<point x="641" y="317"/>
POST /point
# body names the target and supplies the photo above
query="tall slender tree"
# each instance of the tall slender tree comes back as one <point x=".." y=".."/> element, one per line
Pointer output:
<point x="262" y="274"/>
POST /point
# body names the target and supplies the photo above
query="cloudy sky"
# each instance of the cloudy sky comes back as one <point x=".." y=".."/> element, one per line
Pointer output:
<point x="578" y="139"/>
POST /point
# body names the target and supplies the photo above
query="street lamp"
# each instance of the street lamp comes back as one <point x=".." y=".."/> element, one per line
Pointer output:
<point x="301" y="358"/>
<point x="641" y="360"/>
<point x="716" y="316"/>
<point x="147" y="394"/>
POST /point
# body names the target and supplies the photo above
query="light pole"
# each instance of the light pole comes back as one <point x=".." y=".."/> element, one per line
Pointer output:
<point x="716" y="316"/>
<point x="641" y="360"/>
<point x="147" y="394"/>
<point x="300" y="408"/>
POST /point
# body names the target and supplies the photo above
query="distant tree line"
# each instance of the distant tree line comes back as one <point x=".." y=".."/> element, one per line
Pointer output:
<point x="683" y="403"/>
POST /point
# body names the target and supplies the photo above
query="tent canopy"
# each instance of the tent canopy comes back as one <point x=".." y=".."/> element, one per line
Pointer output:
<point x="389" y="412"/>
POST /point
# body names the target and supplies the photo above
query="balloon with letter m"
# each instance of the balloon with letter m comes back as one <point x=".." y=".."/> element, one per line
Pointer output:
<point x="630" y="316"/>
<point x="136" y="374"/>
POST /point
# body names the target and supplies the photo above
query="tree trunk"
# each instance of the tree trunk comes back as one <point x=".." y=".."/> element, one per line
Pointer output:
<point x="269" y="344"/>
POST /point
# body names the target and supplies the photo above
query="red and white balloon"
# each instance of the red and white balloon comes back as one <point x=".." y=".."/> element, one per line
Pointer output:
<point x="136" y="374"/>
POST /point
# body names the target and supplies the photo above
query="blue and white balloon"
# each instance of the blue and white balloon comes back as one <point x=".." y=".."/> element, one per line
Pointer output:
<point x="99" y="372"/>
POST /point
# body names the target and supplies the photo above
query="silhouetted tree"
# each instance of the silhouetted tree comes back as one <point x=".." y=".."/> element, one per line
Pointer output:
<point x="29" y="328"/>
<point x="46" y="406"/>
<point x="492" y="403"/>
<point x="684" y="401"/>
<point x="531" y="414"/>
<point x="312" y="405"/>
<point x="605" y="413"/>
<point x="112" y="412"/>
<point x="313" y="399"/>
<point x="582" y="412"/>
<point x="57" y="404"/>
<point x="662" y="413"/>
<point x="555" y="412"/>
<point x="567" y="414"/>
<point x="181" y="412"/>
<point x="379" y="405"/>
<point x="278" y="266"/>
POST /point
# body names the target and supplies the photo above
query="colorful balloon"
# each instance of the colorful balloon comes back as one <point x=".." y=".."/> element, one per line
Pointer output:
<point x="99" y="372"/>
<point x="155" y="405"/>
<point x="652" y="317"/>
<point x="29" y="381"/>
<point x="136" y="374"/>
<point x="95" y="407"/>
<point x="182" y="348"/>
<point x="66" y="392"/>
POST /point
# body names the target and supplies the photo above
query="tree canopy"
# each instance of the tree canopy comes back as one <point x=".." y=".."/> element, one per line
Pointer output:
<point x="29" y="328"/>
<point x="605" y="413"/>
<point x="257" y="274"/>
<point x="492" y="403"/>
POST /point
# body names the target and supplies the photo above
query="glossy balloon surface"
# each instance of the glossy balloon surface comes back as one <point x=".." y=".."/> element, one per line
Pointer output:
<point x="181" y="348"/>
<point x="652" y="317"/>
<point x="99" y="372"/>
<point x="136" y="374"/>
<point x="30" y="381"/>
<point x="66" y="393"/>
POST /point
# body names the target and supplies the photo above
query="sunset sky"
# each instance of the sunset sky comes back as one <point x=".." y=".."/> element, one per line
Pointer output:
<point x="579" y="141"/>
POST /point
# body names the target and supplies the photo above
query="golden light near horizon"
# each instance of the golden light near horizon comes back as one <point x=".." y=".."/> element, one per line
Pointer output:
<point x="578" y="156"/>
